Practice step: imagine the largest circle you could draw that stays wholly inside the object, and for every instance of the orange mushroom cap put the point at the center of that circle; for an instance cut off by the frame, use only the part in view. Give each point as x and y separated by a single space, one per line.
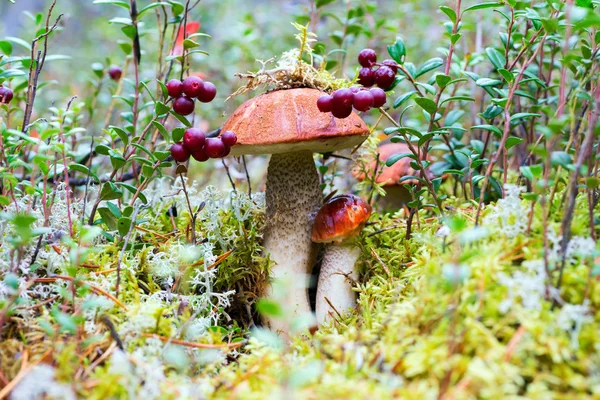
286 121
342 217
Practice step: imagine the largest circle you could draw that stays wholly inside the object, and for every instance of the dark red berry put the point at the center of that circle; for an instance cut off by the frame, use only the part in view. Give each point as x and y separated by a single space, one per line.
379 97
367 57
366 77
341 111
229 138
207 92
355 89
363 100
179 152
227 151
6 95
183 105
200 155
214 147
193 139
384 77
192 86
115 73
390 63
175 88
324 103
343 98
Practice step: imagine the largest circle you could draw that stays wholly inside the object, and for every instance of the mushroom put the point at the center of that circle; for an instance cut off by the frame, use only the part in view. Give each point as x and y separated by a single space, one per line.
338 222
397 194
288 125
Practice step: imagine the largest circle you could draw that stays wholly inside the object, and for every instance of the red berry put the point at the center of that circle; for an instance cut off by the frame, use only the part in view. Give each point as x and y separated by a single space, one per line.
183 105
227 151
390 63
384 77
6 95
343 98
341 111
363 100
179 152
355 89
214 147
200 155
115 73
192 86
175 88
229 138
193 139
367 57
379 97
207 92
366 77
324 103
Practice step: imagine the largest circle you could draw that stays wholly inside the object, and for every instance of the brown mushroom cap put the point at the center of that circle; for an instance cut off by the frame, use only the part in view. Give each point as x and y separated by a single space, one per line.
286 121
342 217
390 176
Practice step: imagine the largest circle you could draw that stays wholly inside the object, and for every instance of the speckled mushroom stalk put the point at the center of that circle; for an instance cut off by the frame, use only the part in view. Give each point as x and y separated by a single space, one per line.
293 198
338 222
288 125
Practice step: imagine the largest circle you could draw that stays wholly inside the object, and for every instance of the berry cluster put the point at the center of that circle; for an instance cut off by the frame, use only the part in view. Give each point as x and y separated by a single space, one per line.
196 144
6 95
185 92
340 102
383 76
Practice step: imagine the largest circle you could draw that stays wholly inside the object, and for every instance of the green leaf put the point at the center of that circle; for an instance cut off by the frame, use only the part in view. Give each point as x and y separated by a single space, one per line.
403 98
84 170
162 130
457 98
150 7
506 74
397 51
429 66
161 109
490 128
181 119
269 308
124 225
512 141
426 104
561 158
442 80
394 158
322 3
518 116
102 149
6 47
119 3
121 133
449 12
178 134
110 192
482 6
498 60
484 82
19 41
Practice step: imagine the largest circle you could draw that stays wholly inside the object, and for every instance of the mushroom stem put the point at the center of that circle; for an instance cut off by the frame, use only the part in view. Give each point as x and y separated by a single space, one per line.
293 198
335 281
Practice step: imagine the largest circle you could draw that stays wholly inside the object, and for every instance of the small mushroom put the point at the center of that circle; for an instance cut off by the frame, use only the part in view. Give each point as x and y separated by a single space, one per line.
288 125
339 221
397 194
